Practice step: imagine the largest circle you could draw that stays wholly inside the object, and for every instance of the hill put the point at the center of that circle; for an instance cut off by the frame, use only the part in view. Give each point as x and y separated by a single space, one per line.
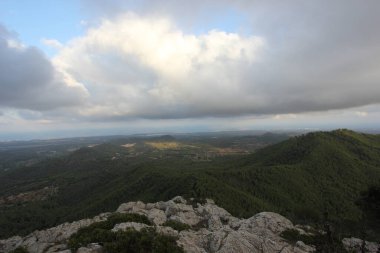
310 178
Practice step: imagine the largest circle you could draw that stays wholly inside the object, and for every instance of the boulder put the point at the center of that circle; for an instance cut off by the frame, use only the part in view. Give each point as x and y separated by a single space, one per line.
91 248
128 225
57 248
167 231
355 245
157 216
179 199
267 222
10 243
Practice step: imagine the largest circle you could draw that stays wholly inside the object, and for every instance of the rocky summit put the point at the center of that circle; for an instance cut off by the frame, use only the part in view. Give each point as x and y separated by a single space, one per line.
209 228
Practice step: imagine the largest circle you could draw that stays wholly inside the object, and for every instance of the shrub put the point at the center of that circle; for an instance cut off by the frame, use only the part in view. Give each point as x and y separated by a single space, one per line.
99 231
146 240
293 236
194 201
127 217
322 242
19 250
176 225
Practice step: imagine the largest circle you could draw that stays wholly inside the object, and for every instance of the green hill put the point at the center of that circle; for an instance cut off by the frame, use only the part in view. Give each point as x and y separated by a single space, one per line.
302 178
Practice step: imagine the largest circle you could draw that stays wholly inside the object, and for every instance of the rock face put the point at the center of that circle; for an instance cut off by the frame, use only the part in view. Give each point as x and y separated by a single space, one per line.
355 245
49 240
213 230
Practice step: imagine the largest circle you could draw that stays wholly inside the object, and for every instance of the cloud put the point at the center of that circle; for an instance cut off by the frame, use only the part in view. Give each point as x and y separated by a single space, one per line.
361 114
285 116
28 80
52 43
146 67
295 58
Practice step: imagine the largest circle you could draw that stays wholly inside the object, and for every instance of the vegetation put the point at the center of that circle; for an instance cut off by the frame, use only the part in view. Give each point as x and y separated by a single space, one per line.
146 240
165 145
369 203
301 178
324 243
19 250
176 225
123 241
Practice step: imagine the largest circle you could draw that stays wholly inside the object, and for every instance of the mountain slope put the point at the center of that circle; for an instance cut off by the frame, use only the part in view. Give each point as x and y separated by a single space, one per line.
308 175
302 178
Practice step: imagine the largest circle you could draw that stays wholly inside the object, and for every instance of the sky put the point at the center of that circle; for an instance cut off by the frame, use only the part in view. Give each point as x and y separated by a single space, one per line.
93 67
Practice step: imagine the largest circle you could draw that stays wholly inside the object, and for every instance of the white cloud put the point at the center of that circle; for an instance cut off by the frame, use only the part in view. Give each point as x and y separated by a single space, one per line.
28 80
286 63
284 116
361 114
146 67
52 43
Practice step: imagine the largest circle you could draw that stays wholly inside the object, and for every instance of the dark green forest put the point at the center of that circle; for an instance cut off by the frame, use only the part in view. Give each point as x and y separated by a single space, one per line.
303 178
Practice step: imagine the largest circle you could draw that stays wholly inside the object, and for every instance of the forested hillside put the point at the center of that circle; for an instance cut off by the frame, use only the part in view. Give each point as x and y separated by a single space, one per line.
305 178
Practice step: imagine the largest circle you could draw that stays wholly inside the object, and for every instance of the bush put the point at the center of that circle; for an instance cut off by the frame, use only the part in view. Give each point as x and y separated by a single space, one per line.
127 217
146 240
194 201
176 225
293 236
323 243
19 250
99 231
130 241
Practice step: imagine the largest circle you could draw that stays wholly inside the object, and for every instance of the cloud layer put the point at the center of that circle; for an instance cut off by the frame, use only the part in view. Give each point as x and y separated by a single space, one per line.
167 60
147 67
28 80
296 58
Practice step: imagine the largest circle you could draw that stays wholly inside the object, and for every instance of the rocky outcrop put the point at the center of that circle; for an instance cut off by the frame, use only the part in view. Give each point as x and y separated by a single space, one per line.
213 230
128 225
356 245
49 240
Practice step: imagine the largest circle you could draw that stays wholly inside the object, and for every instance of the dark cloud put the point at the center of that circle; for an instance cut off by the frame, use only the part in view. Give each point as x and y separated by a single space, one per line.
319 56
28 80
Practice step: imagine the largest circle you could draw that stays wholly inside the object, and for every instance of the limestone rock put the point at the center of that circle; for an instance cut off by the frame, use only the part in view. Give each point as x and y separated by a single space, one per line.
161 205
193 242
213 230
167 231
56 248
179 199
189 218
214 223
355 244
125 207
91 248
128 225
303 247
10 243
157 216
40 241
272 222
